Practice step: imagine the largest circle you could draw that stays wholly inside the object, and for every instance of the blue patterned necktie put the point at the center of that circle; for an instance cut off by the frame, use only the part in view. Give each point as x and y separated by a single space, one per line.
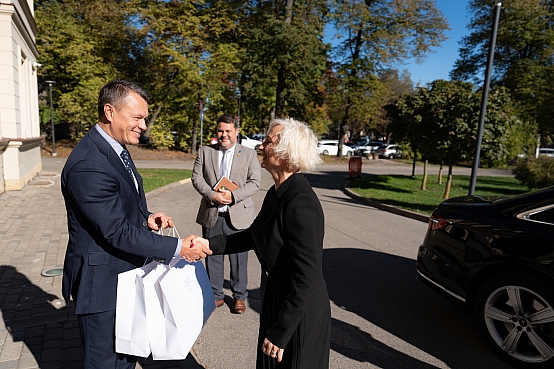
127 161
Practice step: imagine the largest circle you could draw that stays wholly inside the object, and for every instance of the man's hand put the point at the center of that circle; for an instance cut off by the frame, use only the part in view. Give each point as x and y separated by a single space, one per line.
222 197
159 221
194 248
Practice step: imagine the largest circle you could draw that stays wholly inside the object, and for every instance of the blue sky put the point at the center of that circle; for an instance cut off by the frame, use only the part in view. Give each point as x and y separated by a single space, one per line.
437 65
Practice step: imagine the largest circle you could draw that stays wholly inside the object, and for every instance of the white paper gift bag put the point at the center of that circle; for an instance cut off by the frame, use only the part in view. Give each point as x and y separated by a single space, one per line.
131 334
186 301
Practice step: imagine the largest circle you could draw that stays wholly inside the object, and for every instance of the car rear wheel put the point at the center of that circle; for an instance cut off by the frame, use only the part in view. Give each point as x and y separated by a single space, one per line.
515 313
349 153
325 152
391 156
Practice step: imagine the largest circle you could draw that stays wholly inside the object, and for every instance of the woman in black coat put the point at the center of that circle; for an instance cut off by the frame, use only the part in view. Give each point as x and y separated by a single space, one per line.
287 236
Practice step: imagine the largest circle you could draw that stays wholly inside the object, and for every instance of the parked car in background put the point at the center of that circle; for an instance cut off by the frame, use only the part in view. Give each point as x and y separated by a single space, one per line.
494 257
258 136
250 142
365 148
545 151
331 147
389 151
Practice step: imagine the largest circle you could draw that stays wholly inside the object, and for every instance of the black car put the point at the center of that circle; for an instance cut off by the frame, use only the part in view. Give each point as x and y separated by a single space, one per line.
493 256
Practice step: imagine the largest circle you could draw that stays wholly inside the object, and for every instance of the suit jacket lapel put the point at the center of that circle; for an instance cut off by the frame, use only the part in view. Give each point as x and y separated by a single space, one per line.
118 165
214 157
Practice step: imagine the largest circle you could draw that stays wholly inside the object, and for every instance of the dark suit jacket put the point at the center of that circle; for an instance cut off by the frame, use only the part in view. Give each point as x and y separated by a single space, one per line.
287 236
107 224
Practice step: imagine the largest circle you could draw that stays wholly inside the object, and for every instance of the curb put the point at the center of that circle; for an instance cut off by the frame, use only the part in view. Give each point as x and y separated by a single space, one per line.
385 207
167 187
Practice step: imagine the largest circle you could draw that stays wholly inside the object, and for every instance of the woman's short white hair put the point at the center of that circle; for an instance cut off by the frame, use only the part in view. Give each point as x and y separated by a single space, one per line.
297 145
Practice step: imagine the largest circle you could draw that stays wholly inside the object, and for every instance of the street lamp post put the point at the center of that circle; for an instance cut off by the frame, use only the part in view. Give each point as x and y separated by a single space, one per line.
238 96
486 85
50 83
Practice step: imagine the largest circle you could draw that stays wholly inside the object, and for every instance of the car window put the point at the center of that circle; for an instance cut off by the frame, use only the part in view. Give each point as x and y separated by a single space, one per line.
546 216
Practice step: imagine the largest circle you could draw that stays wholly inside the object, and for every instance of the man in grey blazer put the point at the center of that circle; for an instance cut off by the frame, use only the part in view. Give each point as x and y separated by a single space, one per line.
224 211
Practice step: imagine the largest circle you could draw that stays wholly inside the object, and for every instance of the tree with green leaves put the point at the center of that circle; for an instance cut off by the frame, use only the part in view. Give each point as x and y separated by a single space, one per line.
441 122
284 58
523 60
77 52
376 35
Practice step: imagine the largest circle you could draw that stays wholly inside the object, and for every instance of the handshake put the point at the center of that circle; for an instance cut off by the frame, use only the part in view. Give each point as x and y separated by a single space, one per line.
193 248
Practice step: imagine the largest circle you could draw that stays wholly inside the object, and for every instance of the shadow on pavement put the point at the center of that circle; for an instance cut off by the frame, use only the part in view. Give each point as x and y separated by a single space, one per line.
39 331
385 292
44 335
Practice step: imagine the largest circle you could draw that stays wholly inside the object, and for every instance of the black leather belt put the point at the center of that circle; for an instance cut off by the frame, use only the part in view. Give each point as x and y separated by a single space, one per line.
223 213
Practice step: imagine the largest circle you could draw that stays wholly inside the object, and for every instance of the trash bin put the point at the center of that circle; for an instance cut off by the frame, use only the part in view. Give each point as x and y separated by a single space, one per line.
354 166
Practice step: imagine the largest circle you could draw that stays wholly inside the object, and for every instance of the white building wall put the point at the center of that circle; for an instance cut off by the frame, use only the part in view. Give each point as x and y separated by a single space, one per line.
19 116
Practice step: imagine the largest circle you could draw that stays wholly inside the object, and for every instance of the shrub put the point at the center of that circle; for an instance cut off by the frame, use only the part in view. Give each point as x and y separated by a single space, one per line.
535 173
161 138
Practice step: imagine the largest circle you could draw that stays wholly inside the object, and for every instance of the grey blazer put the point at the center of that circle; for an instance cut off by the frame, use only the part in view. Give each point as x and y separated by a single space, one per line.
245 172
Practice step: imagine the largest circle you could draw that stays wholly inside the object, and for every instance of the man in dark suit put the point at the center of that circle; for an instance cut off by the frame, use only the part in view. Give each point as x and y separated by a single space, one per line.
226 212
110 227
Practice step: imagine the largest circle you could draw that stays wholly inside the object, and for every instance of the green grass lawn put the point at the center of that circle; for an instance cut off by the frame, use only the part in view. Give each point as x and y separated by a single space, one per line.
156 178
405 191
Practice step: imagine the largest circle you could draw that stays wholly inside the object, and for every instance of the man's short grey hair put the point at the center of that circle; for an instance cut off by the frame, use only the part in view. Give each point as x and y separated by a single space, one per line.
297 145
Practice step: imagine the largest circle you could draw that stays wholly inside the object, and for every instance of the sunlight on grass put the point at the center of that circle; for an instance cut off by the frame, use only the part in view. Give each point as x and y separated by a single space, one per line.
405 191
156 178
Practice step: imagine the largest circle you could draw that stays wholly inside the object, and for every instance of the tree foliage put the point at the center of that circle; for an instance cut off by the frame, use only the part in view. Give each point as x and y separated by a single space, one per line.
262 57
441 122
378 34
523 60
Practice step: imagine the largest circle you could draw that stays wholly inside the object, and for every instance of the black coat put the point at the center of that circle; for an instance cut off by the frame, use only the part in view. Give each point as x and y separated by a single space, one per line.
287 236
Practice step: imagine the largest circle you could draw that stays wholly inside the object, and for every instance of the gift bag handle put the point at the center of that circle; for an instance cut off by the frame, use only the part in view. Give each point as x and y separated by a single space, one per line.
172 232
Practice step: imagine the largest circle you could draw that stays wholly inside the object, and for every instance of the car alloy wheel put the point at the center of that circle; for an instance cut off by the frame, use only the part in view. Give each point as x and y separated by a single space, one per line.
515 313
325 152
349 153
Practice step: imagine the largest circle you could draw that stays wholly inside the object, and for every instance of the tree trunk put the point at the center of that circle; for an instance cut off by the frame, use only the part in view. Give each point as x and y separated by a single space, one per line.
414 163
448 181
440 173
424 180
282 72
153 119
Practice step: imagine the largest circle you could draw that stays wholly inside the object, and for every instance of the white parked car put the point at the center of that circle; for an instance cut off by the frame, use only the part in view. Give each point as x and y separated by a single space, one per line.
331 147
389 151
545 151
250 142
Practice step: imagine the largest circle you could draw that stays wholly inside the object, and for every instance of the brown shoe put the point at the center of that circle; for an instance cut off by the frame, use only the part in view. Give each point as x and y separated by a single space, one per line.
240 307
219 303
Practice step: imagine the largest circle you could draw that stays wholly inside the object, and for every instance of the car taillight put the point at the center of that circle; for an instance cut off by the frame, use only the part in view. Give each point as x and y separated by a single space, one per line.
436 222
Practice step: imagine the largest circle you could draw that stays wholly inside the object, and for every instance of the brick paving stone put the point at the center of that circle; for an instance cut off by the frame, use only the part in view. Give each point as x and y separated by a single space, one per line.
10 353
9 364
27 362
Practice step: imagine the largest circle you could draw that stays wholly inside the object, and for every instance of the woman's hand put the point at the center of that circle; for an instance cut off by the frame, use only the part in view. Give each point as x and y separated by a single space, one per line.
273 351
